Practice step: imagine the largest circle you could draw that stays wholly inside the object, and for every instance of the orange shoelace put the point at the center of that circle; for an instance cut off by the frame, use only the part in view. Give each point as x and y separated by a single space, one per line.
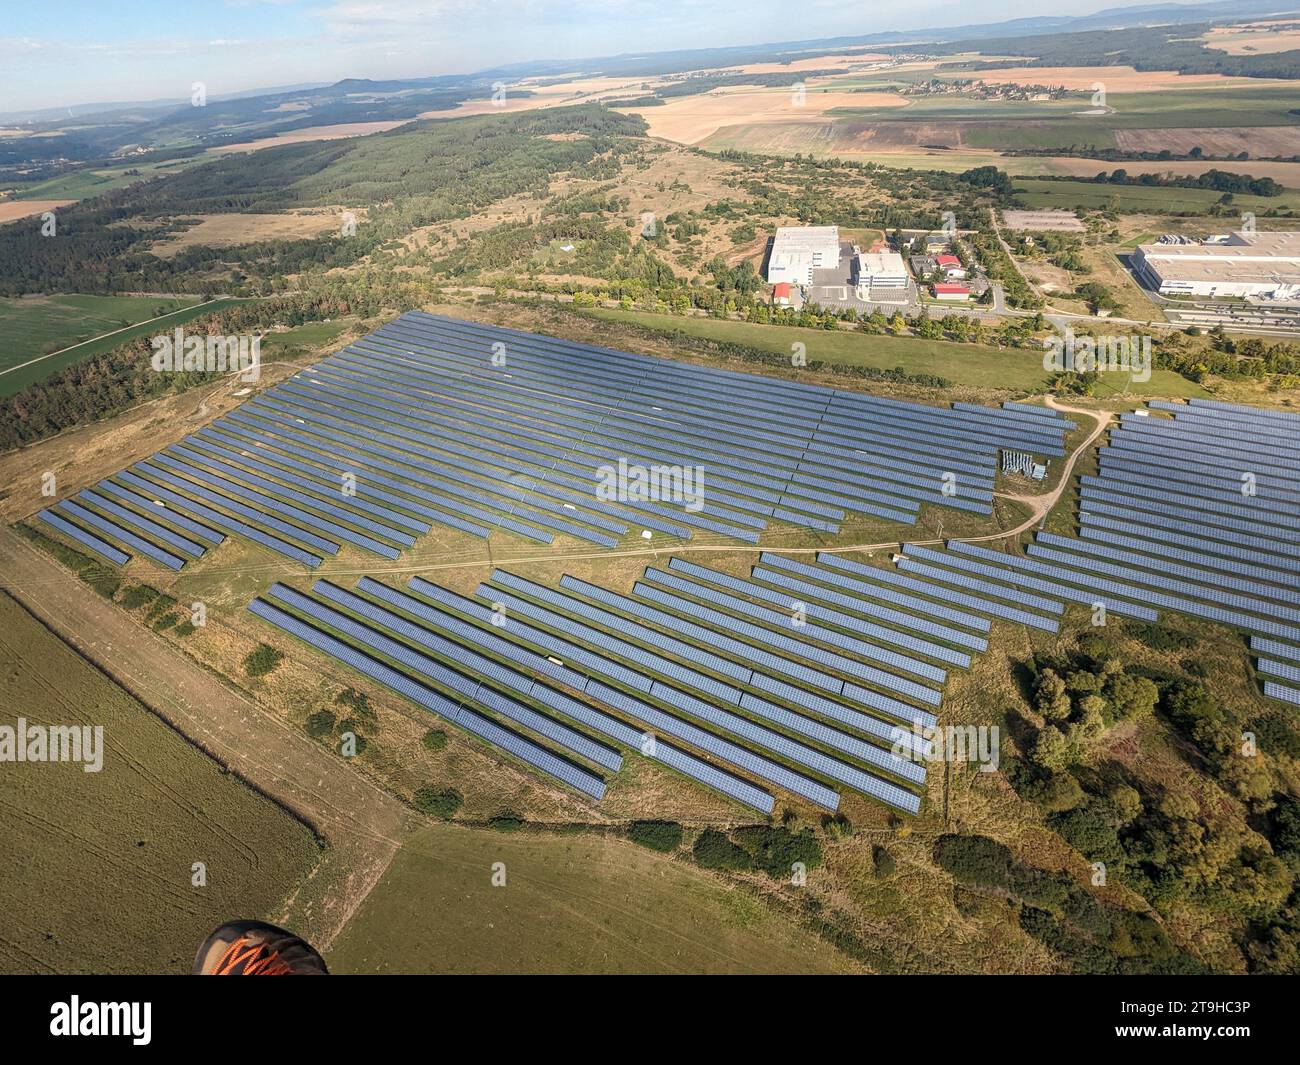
255 958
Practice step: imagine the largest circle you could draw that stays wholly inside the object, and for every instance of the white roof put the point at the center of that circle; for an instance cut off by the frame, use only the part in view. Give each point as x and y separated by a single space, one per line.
796 240
874 264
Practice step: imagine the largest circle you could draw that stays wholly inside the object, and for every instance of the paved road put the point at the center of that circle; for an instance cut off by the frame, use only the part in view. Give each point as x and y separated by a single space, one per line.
362 824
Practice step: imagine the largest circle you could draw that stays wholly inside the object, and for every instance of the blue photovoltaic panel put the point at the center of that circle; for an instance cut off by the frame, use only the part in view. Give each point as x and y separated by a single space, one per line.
1144 579
785 601
788 645
1282 691
215 518
152 505
991 569
802 633
141 524
857 577
1275 648
1117 598
483 727
100 547
1285 670
115 531
759 766
914 552
71 509
479 666
175 480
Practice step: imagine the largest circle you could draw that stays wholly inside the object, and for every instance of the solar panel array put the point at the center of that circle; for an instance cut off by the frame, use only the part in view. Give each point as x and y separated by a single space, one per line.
1196 510
435 421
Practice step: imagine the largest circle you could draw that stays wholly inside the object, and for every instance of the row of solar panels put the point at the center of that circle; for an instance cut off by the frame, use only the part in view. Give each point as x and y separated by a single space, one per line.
621 671
1200 512
783 401
368 449
783 465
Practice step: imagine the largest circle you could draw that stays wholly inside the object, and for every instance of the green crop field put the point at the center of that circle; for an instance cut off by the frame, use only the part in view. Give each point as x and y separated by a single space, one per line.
98 869
570 904
80 326
1138 199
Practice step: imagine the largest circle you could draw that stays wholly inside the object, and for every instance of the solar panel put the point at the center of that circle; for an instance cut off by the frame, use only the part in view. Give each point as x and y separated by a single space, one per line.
71 509
1285 670
786 602
141 524
1275 648
156 506
1283 692
522 748
101 547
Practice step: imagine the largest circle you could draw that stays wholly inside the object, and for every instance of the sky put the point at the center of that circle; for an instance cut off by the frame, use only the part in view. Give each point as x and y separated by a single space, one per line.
57 53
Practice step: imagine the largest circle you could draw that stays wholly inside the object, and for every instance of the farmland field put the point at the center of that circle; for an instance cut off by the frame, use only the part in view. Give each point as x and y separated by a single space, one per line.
1137 199
571 904
97 875
83 184
80 326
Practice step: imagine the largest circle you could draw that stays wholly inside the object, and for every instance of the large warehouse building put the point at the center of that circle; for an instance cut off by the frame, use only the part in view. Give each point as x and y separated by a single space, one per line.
1258 265
799 250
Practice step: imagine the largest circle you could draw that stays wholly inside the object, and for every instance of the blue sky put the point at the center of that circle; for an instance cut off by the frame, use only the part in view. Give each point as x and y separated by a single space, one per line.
62 52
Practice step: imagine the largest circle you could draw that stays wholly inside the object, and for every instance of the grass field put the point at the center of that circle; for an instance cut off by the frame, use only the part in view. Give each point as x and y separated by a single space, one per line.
97 875
971 365
1138 199
570 904
79 327
83 184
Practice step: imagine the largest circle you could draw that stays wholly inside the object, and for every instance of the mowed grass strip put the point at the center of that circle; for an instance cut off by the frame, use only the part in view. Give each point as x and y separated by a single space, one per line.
100 865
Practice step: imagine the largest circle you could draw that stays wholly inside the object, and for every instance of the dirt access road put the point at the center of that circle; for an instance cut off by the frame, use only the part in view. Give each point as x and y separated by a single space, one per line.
362 825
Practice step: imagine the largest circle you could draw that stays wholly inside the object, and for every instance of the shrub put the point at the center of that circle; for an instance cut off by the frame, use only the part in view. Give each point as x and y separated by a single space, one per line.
443 804
506 822
358 703
262 660
435 739
165 622
137 596
882 862
776 849
319 724
714 850
664 836
185 628
974 860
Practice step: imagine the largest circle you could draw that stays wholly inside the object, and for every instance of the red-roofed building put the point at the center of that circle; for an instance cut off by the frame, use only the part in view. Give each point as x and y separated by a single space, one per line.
947 260
781 292
944 291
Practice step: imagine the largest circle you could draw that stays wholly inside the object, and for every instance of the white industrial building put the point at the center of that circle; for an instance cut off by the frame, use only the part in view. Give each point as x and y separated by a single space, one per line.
879 272
799 250
1244 265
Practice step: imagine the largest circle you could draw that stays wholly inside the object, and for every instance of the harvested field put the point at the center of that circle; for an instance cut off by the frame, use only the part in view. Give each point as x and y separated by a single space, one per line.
1259 141
12 210
693 119
104 881
227 230
310 133
1255 38
569 904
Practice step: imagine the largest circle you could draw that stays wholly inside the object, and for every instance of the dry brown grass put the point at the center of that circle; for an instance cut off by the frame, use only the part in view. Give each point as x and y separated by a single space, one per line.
12 210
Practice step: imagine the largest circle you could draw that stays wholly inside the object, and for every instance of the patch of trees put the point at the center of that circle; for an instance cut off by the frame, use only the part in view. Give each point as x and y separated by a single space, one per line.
1216 180
1089 934
1172 845
662 836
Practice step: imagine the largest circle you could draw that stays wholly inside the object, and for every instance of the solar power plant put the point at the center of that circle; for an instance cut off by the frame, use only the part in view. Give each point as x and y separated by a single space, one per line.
446 653
431 421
